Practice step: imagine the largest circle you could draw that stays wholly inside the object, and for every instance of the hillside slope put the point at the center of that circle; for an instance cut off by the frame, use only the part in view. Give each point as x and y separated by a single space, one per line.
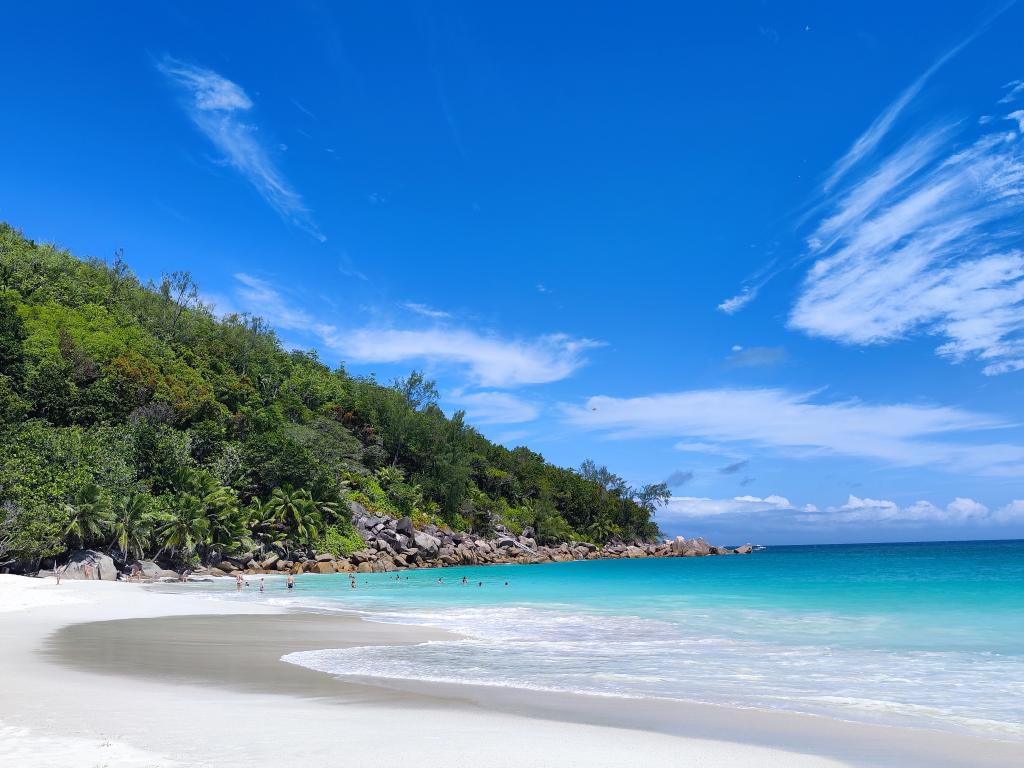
134 420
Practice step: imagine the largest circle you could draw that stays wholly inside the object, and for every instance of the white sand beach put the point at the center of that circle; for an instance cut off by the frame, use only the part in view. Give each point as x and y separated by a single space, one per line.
208 688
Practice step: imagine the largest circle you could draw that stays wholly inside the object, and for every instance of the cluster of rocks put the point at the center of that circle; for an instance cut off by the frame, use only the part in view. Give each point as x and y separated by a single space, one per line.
396 544
392 545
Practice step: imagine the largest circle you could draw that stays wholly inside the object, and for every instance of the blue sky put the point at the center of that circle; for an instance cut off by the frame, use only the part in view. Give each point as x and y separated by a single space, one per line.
770 252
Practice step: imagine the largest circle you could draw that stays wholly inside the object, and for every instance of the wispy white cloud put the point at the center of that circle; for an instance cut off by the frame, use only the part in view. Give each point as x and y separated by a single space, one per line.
425 311
928 241
260 297
702 507
496 408
217 107
1014 89
868 141
800 424
489 360
734 304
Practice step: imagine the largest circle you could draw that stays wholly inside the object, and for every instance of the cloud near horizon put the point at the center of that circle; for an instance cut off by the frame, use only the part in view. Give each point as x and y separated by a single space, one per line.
779 512
800 424
489 360
216 106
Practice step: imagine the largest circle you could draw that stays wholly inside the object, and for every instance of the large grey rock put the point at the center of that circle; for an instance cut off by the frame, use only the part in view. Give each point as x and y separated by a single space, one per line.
746 549
427 545
89 564
700 546
358 510
147 569
270 561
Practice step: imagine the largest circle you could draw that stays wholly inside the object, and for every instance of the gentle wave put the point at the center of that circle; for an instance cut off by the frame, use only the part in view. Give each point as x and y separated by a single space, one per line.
628 656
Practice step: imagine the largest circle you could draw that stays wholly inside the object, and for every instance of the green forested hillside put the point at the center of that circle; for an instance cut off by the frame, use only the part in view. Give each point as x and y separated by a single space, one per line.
134 420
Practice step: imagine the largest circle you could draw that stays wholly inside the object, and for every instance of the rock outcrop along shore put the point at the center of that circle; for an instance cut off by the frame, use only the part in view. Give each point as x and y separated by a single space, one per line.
392 545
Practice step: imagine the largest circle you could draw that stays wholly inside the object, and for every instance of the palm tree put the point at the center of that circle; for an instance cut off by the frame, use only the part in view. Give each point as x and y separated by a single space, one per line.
132 525
223 517
185 529
216 504
298 513
88 515
263 524
602 529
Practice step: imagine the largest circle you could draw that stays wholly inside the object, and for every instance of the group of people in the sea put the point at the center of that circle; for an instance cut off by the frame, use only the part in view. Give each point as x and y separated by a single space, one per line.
241 582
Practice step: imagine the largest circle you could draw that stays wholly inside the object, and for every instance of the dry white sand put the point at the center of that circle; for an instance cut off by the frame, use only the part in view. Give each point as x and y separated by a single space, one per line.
208 689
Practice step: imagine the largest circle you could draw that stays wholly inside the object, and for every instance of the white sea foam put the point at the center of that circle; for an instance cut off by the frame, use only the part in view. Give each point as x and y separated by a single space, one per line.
630 656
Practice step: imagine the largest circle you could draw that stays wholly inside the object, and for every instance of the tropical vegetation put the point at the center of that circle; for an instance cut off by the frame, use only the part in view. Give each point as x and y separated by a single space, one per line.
135 420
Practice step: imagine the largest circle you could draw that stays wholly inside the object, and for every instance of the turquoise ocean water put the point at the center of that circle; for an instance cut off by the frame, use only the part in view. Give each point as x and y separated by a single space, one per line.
927 635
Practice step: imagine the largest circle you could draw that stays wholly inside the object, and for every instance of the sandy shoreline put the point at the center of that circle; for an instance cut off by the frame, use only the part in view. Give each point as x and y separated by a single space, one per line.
143 678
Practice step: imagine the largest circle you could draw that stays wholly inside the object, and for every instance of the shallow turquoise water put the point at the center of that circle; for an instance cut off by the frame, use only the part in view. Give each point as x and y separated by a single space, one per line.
930 635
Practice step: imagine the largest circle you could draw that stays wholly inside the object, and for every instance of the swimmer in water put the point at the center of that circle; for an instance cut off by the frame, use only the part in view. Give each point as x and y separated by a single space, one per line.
261 584
291 581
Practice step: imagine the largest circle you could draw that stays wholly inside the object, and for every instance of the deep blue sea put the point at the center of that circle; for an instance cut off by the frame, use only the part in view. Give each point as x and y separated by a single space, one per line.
928 635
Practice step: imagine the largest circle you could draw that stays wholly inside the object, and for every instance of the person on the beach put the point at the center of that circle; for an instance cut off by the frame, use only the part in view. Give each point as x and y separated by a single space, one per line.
291 581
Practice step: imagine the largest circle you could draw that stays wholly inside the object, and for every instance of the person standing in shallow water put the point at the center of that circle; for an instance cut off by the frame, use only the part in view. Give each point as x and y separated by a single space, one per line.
291 581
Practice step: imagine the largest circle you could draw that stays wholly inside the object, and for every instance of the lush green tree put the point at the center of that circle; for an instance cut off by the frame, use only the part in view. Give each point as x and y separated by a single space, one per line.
12 340
184 529
297 511
88 516
264 527
132 525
